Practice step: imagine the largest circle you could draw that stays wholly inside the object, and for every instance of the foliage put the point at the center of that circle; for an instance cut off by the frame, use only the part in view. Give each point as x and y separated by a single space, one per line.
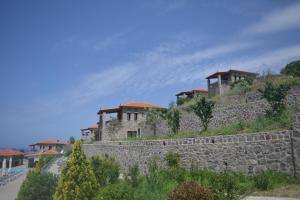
177 174
190 191
77 180
118 191
241 86
203 109
275 95
37 186
224 186
113 127
72 140
173 118
172 159
106 170
153 117
181 100
42 162
133 174
292 69
263 180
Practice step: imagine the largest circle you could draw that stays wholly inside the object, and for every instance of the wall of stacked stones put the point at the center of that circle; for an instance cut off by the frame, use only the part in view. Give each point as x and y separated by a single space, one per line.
233 109
247 153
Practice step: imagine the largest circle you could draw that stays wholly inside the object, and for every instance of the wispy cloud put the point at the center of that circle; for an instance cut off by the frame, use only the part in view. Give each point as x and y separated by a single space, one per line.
281 20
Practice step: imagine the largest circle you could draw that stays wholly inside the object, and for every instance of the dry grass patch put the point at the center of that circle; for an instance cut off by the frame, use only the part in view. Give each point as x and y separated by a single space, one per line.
292 191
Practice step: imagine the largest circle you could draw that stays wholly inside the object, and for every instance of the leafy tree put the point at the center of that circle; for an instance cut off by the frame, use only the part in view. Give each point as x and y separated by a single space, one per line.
275 95
153 117
172 159
292 69
203 109
173 118
77 181
37 186
106 170
72 140
113 127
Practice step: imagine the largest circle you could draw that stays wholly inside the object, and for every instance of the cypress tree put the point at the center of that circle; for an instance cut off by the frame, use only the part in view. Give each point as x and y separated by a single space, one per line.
77 181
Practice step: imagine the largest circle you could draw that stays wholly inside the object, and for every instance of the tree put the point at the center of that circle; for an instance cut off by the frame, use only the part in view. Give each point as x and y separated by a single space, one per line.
203 109
113 127
106 170
153 117
173 118
292 69
72 140
275 95
37 185
77 181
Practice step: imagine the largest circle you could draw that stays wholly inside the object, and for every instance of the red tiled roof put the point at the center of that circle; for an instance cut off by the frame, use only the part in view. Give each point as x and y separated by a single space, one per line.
49 152
93 126
139 105
50 142
10 152
200 90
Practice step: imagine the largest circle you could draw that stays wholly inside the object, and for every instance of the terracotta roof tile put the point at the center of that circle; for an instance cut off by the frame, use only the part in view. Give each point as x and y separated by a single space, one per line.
50 152
53 142
139 105
10 152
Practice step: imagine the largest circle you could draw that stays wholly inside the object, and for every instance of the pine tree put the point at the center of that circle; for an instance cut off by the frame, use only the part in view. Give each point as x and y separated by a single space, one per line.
77 181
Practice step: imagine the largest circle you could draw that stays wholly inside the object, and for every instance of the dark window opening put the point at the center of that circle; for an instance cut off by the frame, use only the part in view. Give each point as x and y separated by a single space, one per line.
128 116
135 116
131 134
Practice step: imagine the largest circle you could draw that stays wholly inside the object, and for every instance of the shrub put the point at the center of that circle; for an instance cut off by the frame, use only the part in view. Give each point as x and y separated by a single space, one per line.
275 95
72 140
203 109
153 118
37 186
262 181
173 118
180 101
224 186
177 174
43 161
106 170
189 191
172 159
134 174
292 69
242 86
77 180
119 191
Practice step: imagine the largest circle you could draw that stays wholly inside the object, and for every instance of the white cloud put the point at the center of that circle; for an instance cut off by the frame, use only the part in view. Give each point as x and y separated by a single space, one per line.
284 19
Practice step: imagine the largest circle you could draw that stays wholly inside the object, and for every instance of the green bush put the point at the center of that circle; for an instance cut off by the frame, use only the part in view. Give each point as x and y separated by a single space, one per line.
37 186
177 174
263 180
224 186
42 162
106 170
292 69
133 174
189 191
241 86
172 159
119 191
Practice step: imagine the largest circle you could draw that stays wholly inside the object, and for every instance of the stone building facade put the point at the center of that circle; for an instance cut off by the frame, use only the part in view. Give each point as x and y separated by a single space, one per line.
128 120
89 134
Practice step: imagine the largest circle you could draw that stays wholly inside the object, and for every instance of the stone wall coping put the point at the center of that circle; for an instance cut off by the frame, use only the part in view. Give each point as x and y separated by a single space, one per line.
249 137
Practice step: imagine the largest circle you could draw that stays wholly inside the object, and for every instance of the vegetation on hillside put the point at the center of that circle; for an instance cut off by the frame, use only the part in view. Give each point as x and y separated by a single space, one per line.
292 69
173 118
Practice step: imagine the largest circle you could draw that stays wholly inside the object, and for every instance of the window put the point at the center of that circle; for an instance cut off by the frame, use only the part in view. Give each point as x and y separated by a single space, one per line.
135 116
139 132
131 134
128 116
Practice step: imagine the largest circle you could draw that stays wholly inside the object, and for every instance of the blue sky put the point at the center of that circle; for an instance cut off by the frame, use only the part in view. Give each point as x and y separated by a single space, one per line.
60 61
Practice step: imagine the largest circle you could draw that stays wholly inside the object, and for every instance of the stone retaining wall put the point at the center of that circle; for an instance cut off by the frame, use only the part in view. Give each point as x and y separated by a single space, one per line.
246 153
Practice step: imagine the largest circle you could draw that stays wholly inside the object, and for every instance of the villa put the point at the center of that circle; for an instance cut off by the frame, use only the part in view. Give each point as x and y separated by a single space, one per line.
45 145
224 80
192 93
125 120
10 158
89 134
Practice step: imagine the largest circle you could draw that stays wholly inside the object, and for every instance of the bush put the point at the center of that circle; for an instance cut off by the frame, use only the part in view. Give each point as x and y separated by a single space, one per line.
263 180
106 170
177 174
172 159
224 186
189 191
134 174
37 186
241 86
119 191
42 162
292 69
173 118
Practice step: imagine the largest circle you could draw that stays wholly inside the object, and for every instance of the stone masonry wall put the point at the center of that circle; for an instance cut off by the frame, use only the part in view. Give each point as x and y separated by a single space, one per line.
232 109
244 153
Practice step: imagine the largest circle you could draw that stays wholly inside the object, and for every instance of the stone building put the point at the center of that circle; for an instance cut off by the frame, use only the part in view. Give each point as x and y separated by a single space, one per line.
224 80
124 121
191 93
89 134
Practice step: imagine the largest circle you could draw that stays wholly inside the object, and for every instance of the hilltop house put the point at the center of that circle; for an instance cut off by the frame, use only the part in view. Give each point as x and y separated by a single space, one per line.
192 93
10 158
224 80
125 121
90 133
